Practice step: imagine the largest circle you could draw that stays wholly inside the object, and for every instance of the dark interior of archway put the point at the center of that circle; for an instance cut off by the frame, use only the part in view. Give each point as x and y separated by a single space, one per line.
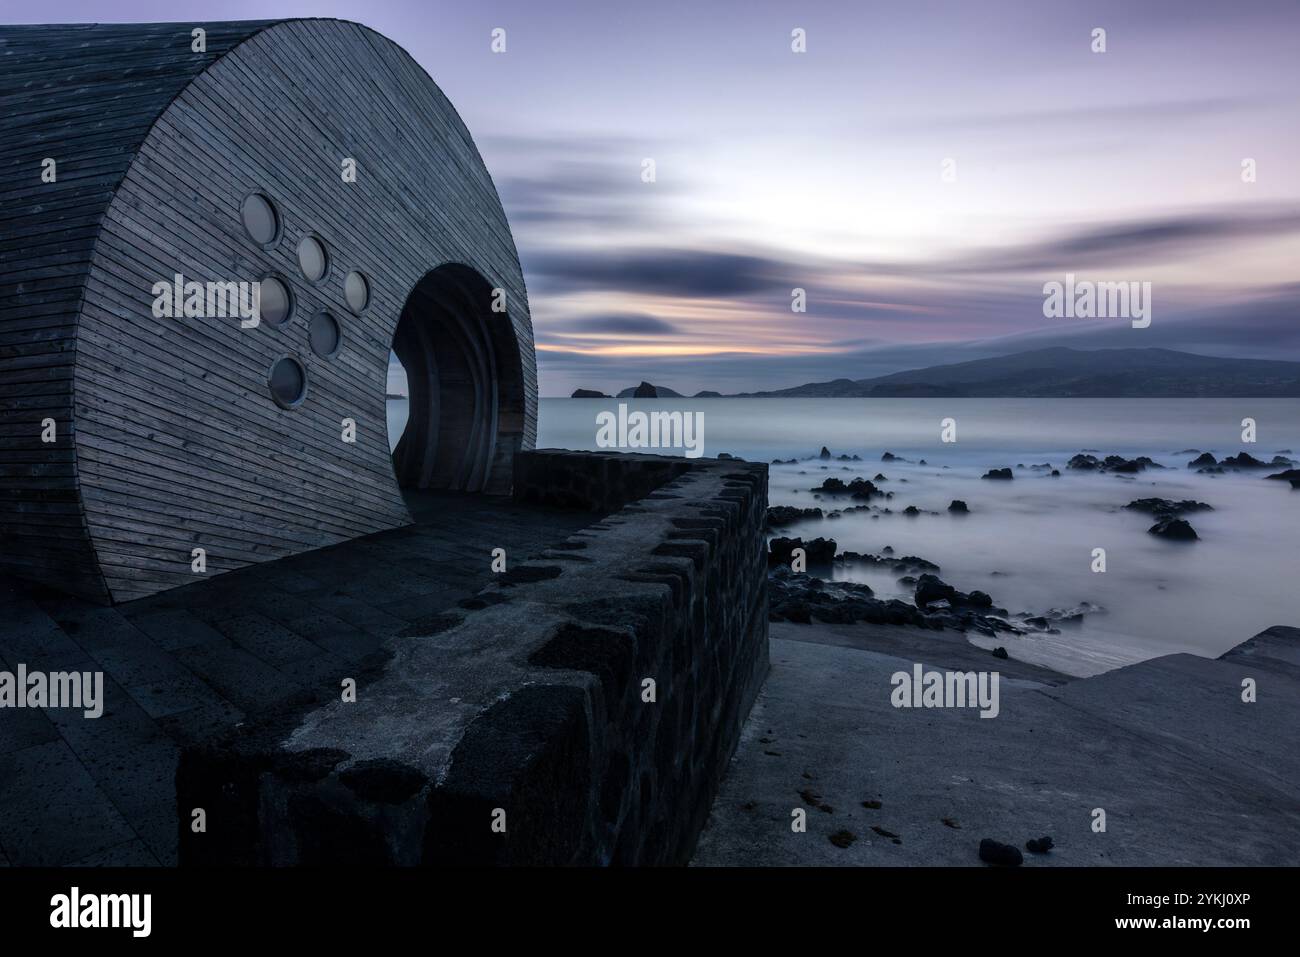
461 368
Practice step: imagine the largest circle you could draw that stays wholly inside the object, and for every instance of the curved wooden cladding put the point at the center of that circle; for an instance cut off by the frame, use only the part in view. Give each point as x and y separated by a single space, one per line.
178 443
84 96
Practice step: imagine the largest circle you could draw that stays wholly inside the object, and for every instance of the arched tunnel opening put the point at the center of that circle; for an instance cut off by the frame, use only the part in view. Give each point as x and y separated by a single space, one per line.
464 386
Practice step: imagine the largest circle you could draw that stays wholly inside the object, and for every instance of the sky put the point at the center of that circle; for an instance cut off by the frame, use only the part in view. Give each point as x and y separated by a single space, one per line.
920 172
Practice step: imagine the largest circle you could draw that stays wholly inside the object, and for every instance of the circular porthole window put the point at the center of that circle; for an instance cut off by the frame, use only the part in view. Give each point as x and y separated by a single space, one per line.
356 291
287 382
325 335
261 221
312 258
275 301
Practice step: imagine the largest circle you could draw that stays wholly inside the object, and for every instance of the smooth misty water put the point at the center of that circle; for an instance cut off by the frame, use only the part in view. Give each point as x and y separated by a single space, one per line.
1028 542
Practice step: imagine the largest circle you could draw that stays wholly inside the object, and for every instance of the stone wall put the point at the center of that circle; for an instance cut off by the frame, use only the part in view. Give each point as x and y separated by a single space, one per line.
592 482
526 705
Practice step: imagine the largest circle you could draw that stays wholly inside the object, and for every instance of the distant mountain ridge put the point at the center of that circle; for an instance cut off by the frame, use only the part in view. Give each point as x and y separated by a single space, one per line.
1074 373
1057 372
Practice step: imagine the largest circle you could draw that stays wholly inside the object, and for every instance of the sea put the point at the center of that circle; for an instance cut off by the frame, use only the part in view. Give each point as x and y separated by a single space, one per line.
1029 542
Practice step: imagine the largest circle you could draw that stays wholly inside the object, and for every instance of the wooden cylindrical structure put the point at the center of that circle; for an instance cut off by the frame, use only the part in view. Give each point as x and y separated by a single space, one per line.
313 157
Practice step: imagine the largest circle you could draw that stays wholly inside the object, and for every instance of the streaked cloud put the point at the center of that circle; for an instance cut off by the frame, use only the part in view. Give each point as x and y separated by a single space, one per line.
821 171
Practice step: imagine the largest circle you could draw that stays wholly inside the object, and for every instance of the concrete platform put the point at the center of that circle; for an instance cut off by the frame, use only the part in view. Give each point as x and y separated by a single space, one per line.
190 663
1186 772
580 710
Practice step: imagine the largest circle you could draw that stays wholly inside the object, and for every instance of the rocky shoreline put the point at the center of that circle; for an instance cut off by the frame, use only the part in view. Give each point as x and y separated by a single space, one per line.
802 598
819 588
1074 771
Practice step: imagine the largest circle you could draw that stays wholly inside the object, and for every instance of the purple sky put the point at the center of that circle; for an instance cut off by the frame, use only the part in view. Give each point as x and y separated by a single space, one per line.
822 170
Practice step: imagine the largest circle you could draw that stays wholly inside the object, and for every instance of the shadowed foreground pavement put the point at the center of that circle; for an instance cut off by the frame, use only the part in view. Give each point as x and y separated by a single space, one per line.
1186 772
186 664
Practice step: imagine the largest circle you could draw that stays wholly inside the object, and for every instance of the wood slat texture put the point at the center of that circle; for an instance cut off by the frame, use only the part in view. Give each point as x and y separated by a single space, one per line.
168 438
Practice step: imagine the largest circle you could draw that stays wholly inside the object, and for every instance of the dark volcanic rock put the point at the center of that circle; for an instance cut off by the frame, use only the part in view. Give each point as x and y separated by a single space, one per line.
1073 615
912 562
1000 652
786 514
1112 463
645 391
1117 463
930 588
911 510
587 394
1290 475
1002 855
958 506
890 457
862 489
886 833
843 838
813 799
859 488
1039 845
819 551
1174 529
825 454
802 598
1243 461
1202 460
1165 506
780 550
999 474
906 563
1247 461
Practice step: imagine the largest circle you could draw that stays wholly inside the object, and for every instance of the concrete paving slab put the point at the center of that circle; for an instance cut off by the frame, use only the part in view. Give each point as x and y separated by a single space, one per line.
1184 775
51 810
184 665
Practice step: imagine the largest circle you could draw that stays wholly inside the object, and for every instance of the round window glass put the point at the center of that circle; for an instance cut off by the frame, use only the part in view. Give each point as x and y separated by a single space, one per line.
312 258
325 335
260 219
356 290
288 382
275 302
